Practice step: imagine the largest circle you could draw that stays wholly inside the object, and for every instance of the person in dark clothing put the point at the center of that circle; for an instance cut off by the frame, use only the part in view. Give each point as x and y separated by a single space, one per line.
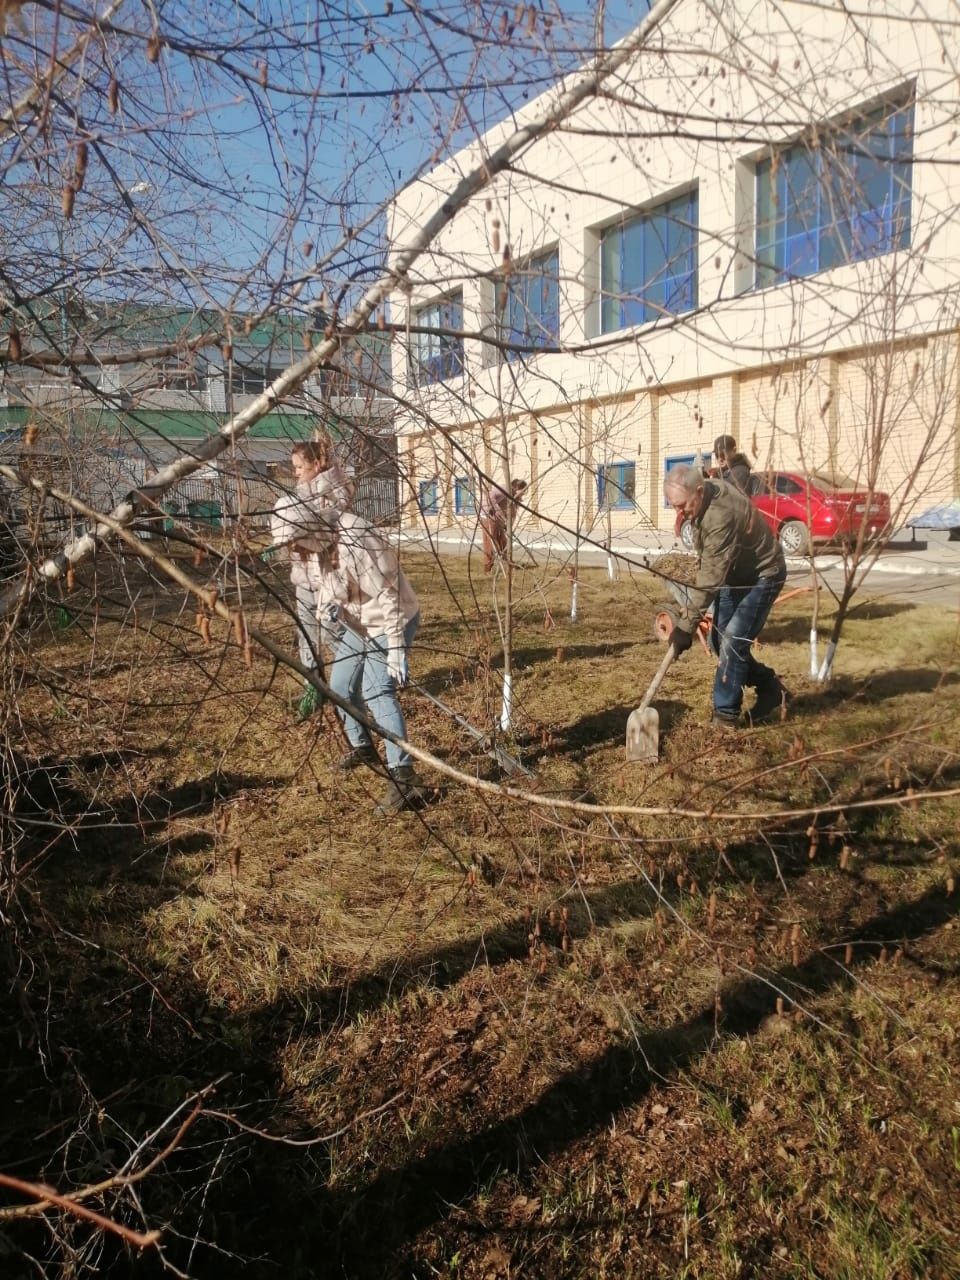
740 571
734 467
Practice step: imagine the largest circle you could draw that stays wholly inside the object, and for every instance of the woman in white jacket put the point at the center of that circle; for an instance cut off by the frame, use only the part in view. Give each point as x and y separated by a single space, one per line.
321 490
362 583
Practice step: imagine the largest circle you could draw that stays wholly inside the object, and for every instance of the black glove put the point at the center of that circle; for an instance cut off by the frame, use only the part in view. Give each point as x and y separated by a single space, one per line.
680 641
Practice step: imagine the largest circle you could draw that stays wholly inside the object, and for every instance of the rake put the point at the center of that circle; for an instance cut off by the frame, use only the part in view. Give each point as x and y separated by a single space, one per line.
508 763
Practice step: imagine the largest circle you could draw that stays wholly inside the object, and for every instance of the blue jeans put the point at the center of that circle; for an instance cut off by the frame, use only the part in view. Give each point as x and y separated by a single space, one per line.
359 673
308 631
738 617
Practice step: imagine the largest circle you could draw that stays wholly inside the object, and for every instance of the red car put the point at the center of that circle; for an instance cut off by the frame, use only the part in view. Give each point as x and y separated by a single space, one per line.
803 510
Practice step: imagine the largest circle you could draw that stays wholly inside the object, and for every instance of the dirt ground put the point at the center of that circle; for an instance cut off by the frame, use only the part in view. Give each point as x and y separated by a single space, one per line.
712 1037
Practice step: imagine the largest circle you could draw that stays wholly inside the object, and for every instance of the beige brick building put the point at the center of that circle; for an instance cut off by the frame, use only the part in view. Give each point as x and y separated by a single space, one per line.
753 232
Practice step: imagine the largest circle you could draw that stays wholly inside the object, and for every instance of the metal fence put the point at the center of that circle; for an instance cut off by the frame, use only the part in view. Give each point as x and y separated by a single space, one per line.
207 502
376 499
222 500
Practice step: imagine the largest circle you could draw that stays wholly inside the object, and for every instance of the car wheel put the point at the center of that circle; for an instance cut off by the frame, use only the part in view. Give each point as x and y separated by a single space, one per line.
794 538
686 535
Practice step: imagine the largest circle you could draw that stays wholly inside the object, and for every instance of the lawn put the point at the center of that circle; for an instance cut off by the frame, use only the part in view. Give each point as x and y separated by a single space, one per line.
695 1019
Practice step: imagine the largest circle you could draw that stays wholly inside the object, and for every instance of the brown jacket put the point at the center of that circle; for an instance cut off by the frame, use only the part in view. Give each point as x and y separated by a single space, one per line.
734 546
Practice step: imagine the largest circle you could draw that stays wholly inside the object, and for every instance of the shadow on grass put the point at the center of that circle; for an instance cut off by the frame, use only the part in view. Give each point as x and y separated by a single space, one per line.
523 656
255 1204
411 1197
607 727
782 628
600 729
443 967
875 688
112 836
626 901
443 680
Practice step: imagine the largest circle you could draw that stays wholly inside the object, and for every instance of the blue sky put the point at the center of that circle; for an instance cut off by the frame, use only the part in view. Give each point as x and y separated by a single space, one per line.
358 142
231 174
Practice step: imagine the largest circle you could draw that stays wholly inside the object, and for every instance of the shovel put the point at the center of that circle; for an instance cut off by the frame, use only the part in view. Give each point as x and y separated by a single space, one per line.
643 724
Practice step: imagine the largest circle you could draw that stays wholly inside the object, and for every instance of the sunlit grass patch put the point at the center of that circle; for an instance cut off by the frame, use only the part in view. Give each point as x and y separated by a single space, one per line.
525 1036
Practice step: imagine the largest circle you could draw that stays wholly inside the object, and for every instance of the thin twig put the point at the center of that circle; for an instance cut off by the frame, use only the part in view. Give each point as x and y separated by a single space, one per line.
47 1197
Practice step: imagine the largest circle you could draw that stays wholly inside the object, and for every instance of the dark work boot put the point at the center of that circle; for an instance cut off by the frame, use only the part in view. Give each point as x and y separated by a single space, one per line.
725 721
365 753
771 703
404 790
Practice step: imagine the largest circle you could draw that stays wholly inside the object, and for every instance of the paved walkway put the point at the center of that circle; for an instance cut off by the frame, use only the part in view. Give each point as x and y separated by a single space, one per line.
931 552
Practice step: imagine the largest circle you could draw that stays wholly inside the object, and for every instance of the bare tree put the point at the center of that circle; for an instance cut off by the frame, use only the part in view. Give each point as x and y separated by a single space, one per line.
208 214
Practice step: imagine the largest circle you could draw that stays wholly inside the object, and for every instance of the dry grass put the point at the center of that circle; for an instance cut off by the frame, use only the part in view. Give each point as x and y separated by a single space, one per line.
549 1043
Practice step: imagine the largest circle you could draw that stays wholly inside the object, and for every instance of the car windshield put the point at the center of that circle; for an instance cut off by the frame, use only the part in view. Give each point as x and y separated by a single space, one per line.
834 482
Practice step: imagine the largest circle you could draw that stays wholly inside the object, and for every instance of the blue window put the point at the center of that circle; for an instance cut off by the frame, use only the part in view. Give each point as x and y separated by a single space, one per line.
648 266
825 201
700 459
437 357
429 497
617 486
530 306
464 500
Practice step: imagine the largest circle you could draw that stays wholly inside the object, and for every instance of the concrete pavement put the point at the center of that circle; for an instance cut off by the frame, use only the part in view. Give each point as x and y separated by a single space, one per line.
933 554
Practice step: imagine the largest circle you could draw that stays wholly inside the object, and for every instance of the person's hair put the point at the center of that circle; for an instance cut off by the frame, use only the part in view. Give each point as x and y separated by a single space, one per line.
318 451
683 476
518 485
724 446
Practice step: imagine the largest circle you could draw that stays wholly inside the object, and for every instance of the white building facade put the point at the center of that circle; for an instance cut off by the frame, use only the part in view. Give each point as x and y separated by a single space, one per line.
753 232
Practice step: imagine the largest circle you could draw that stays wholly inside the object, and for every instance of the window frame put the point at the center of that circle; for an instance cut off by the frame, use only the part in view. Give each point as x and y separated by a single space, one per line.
605 482
447 360
800 184
516 288
433 507
679 459
253 379
625 304
464 497
177 375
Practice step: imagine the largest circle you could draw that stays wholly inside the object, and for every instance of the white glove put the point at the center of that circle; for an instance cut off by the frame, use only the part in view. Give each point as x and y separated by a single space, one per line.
398 666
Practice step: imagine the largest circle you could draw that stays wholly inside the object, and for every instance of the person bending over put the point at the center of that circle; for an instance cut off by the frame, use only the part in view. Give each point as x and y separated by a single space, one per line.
740 571
493 521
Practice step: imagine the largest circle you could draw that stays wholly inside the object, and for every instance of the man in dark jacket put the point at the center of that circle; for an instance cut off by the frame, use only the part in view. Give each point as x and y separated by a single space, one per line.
734 467
740 571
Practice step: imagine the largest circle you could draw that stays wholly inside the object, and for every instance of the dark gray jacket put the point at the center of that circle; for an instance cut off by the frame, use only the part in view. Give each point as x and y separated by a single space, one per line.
737 471
734 547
